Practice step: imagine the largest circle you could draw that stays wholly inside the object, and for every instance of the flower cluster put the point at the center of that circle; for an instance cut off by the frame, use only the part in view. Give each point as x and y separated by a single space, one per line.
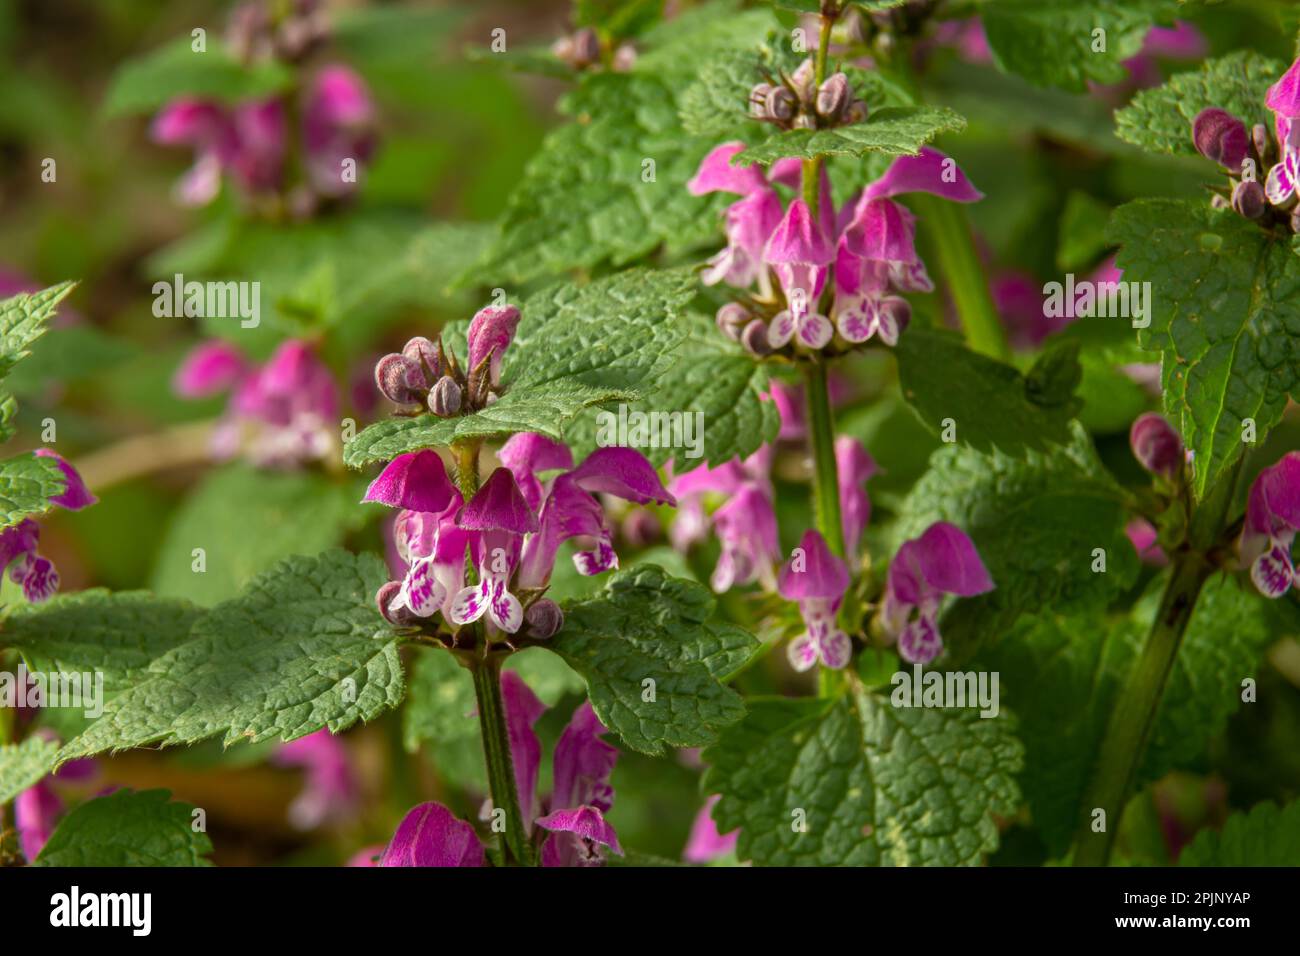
291 31
1272 520
37 575
1223 138
569 824
583 50
864 254
280 414
797 102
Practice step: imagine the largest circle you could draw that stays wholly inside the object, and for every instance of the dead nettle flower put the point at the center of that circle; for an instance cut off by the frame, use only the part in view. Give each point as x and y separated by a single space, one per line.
1156 445
868 250
1272 519
942 561
249 141
817 580
37 575
281 414
797 101
569 824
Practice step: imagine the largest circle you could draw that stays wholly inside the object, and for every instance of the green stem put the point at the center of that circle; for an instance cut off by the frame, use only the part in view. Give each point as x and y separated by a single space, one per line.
1135 711
467 467
950 234
496 754
821 442
812 167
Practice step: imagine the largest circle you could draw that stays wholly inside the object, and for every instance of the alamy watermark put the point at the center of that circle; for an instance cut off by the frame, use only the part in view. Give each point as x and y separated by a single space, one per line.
215 300
75 690
949 689
683 430
1087 298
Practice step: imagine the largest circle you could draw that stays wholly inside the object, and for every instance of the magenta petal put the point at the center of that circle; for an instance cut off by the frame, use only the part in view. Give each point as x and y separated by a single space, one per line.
1182 41
431 835
950 562
705 843
882 230
75 494
624 473
1273 508
787 172
724 479
585 822
798 239
18 540
583 763
498 506
930 172
522 711
415 481
210 368
36 811
717 174
191 122
490 332
813 571
40 580
1284 95
528 453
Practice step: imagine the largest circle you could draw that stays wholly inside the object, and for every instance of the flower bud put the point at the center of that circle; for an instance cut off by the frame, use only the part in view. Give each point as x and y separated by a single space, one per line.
444 398
1156 445
1221 137
424 354
399 379
402 616
754 338
586 47
732 319
832 97
781 104
804 80
543 619
1248 199
758 101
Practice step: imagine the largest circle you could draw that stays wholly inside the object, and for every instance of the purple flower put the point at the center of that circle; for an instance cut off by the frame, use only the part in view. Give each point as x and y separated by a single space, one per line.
36 812
817 580
208 129
280 414
501 517
749 222
800 254
1272 519
1156 445
1284 96
415 481
942 561
338 125
705 843
490 333
18 543
572 831
330 791
853 467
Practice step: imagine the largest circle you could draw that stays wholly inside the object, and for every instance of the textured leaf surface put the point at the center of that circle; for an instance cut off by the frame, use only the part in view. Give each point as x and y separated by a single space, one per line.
1266 836
23 765
1160 119
1225 313
648 625
176 70
1062 675
246 519
577 346
878 785
127 829
23 319
302 648
1051 42
894 131
27 482
992 404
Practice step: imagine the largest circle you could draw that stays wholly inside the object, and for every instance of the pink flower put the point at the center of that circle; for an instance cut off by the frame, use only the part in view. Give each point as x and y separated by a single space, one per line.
330 791
817 580
18 543
338 125
1272 519
705 843
1156 445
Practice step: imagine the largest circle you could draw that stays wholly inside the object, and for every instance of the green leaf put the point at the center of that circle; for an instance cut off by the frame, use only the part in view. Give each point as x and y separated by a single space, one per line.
127 829
292 512
1225 313
1160 119
644 626
577 346
24 318
1035 521
151 81
1266 836
23 765
991 404
1062 675
877 785
1051 42
894 131
116 634
1082 232
27 483
708 378
302 648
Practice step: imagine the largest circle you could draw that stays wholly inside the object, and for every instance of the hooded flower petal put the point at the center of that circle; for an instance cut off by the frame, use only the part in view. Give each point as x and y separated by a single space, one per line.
430 835
930 172
75 494
1272 520
583 763
499 505
813 571
490 333
950 563
624 473
800 253
210 368
576 837
881 231
717 174
522 711
705 843
1284 95
528 453
942 561
415 481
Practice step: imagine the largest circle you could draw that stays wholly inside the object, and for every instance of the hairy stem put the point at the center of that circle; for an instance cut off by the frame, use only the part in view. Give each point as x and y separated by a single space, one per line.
821 445
1135 711
950 233
467 467
496 754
